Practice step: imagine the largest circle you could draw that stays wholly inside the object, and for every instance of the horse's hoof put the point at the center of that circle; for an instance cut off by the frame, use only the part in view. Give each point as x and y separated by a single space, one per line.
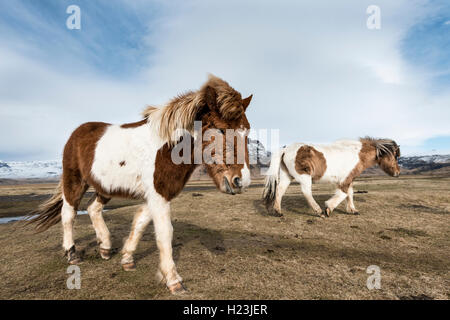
75 260
72 256
130 266
105 253
327 212
277 214
177 288
356 213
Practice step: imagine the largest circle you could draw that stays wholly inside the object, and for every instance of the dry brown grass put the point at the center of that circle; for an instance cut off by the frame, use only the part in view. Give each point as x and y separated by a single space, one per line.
227 247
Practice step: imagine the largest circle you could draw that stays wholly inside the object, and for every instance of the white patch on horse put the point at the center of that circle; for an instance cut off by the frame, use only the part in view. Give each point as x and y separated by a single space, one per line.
245 171
136 149
341 158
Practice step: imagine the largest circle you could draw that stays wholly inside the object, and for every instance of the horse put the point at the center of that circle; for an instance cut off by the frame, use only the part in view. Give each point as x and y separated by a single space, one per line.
338 163
133 160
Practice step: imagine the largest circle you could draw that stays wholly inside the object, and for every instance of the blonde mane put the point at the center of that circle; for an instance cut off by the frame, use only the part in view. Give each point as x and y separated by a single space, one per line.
383 146
180 113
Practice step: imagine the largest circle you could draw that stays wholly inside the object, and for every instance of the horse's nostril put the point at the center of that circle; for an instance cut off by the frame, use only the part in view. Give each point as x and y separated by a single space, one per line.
237 182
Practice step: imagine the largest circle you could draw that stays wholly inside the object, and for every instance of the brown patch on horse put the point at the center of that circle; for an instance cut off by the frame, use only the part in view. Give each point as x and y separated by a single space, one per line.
122 163
310 161
367 159
78 157
134 124
169 178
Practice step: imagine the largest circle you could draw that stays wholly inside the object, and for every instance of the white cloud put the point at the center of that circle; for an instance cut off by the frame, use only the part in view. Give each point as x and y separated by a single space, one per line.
315 70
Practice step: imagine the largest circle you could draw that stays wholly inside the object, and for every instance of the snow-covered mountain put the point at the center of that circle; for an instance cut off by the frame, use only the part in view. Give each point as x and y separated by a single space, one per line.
30 169
53 168
430 162
257 153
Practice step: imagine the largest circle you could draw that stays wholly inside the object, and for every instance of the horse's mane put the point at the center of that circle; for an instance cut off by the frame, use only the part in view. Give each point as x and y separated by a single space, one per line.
383 146
181 111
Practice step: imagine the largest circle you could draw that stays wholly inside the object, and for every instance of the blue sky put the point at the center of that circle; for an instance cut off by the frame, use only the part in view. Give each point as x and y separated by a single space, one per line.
317 73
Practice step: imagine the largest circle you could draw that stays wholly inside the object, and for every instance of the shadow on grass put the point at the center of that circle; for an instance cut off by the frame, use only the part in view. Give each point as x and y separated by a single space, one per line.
296 204
184 233
188 236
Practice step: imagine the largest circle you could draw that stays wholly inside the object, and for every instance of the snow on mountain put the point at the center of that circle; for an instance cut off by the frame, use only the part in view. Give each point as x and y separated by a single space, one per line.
30 169
257 153
53 168
419 161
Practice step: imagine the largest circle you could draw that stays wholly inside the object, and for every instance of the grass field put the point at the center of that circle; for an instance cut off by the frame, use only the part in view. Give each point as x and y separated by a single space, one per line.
228 247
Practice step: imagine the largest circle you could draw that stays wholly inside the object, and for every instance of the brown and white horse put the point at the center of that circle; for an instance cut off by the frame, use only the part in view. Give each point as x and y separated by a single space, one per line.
134 160
338 163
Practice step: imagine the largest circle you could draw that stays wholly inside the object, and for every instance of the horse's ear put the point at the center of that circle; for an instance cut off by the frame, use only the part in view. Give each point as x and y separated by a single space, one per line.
211 97
246 101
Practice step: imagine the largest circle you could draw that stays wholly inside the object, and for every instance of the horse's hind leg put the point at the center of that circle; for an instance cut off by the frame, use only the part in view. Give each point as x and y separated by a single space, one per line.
285 181
334 201
101 230
141 219
73 190
350 204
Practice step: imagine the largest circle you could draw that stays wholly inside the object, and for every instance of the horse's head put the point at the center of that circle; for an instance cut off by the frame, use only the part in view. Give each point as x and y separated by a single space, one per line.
387 156
225 128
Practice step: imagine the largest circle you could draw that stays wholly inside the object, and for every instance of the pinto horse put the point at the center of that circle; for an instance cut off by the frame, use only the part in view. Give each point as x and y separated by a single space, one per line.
338 163
134 160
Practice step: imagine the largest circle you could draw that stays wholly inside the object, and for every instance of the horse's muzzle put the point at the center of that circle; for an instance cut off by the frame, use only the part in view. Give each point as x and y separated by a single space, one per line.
236 182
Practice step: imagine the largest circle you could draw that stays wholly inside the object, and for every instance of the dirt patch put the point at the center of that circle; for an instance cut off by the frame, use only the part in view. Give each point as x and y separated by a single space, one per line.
409 232
416 297
422 208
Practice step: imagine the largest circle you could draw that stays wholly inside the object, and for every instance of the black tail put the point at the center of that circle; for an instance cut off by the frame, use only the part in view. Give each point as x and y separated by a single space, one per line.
48 213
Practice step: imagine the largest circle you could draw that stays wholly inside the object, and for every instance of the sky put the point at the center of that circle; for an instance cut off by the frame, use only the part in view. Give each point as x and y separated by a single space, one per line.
317 72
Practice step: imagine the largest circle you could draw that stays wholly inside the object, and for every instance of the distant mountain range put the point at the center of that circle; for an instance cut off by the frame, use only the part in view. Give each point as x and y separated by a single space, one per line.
30 169
52 169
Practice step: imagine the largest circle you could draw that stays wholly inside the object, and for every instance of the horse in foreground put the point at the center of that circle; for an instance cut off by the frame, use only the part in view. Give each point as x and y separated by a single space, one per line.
134 160
338 163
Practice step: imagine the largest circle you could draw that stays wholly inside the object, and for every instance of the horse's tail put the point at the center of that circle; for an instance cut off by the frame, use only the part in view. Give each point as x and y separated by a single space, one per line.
49 212
272 179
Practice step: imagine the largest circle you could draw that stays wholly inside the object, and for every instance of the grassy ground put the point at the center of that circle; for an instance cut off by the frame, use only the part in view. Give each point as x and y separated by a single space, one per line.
227 247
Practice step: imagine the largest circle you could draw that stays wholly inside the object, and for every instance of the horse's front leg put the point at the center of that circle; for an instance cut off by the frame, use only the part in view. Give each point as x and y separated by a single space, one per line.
164 232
